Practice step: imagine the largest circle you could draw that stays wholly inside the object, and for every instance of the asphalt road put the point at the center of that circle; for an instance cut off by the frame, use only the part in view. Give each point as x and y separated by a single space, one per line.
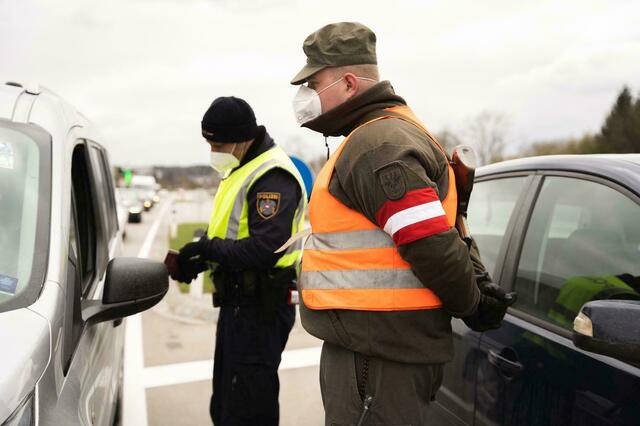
169 349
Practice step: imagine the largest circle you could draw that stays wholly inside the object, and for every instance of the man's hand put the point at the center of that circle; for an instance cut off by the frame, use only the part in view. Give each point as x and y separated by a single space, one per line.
190 261
491 308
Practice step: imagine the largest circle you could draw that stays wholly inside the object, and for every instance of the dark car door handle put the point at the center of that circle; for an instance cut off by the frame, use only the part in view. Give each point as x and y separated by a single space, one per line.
506 366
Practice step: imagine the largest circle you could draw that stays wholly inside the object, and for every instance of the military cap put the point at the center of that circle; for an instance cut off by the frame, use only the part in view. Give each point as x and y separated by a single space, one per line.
336 45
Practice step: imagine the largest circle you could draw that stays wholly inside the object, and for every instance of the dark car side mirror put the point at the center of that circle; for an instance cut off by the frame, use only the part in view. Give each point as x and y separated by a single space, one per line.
131 285
609 327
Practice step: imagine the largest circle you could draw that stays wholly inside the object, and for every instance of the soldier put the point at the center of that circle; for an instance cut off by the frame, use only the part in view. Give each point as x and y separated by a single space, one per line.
384 269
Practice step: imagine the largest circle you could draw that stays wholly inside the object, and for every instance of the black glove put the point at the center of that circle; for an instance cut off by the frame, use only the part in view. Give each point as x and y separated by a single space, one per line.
190 261
492 307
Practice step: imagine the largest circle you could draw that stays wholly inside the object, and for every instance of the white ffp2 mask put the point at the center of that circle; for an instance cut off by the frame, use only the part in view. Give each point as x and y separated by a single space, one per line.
306 102
306 105
223 162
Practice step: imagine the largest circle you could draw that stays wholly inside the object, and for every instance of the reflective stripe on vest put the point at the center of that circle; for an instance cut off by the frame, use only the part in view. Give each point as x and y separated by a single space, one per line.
230 213
349 262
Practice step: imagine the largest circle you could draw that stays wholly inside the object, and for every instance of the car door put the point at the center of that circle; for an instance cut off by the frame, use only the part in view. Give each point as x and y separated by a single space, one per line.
491 211
579 241
106 356
89 355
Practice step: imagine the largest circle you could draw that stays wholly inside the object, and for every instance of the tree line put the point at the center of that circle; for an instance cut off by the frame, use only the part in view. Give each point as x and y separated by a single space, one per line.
620 133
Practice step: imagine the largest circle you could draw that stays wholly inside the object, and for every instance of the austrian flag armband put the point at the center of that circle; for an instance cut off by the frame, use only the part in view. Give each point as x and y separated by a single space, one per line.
417 215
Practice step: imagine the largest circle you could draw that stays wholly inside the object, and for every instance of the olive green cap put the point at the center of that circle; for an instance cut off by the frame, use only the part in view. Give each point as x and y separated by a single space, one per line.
336 45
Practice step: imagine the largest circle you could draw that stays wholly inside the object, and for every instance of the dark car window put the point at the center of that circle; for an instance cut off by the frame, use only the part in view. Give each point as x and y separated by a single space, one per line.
73 323
490 209
85 214
582 244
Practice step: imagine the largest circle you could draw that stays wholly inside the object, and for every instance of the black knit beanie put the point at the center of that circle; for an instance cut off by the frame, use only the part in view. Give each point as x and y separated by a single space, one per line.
229 119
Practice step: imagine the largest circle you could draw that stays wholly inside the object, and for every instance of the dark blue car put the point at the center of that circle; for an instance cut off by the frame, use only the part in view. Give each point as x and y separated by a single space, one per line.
560 231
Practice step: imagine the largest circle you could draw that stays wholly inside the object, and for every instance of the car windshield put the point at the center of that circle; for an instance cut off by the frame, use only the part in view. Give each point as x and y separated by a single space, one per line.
19 189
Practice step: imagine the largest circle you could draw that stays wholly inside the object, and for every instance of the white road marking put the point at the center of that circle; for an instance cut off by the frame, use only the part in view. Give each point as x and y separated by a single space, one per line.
134 408
134 403
196 371
196 288
175 374
298 358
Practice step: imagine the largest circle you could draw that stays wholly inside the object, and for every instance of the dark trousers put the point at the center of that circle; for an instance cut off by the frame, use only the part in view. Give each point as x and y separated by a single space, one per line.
400 394
245 367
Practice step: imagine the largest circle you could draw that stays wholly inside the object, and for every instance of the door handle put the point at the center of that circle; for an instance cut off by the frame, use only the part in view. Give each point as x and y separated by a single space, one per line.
506 366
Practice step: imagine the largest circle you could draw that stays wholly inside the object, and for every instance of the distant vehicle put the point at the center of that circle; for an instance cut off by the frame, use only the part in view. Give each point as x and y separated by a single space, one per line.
561 231
63 291
145 197
148 188
152 195
143 181
131 202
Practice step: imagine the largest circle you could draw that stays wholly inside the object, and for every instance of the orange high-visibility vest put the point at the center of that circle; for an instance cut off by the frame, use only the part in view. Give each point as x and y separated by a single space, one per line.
349 262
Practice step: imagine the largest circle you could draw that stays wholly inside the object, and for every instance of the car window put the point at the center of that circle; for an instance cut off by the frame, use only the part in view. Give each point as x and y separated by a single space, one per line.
110 188
73 323
490 209
85 214
104 186
582 244
19 187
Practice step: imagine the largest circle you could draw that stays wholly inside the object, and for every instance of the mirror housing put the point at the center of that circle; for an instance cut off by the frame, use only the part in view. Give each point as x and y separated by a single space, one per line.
131 285
609 327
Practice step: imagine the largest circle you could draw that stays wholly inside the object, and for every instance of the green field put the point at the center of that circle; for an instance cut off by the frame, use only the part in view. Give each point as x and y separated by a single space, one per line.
184 235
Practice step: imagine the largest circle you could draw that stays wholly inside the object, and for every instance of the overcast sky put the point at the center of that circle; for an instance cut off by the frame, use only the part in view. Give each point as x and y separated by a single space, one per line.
144 71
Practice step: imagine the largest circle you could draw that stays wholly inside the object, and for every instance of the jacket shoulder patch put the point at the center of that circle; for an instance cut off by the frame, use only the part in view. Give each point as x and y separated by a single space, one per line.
267 204
393 181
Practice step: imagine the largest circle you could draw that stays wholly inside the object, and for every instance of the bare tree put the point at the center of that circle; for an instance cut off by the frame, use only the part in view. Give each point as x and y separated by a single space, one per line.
486 133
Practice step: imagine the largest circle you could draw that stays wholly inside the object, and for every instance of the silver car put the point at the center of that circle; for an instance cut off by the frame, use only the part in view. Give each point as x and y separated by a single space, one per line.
63 291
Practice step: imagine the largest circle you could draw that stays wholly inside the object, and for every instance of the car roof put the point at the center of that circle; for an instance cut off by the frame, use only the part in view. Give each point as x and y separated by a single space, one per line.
622 168
40 105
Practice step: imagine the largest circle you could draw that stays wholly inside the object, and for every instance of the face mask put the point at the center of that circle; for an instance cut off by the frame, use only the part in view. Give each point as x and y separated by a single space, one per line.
307 105
223 162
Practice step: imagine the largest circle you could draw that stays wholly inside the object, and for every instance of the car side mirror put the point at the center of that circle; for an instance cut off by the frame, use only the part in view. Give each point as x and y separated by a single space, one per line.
131 285
609 327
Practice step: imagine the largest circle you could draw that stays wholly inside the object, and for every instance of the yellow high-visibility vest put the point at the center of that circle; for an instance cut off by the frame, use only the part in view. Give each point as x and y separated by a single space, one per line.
230 213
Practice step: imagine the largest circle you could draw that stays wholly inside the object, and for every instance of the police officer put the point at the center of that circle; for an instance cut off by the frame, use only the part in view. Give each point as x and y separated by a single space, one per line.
384 270
259 204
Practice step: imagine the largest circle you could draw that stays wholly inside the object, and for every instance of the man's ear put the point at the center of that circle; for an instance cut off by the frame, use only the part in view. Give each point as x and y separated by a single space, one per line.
353 84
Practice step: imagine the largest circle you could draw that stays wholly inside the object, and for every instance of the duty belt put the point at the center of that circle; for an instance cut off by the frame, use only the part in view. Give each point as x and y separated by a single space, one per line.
252 288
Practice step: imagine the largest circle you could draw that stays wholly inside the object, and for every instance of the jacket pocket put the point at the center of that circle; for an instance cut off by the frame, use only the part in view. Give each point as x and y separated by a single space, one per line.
341 332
